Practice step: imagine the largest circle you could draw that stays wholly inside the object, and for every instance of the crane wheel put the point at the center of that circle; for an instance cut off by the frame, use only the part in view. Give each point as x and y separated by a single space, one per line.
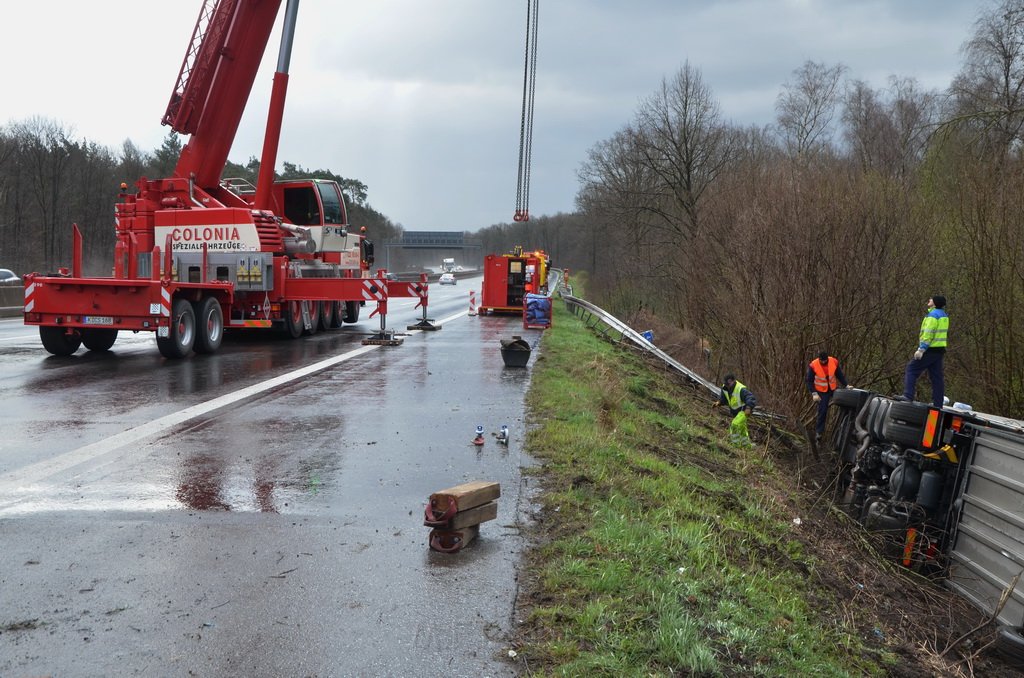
293 326
209 325
58 341
316 312
337 311
99 338
351 312
327 316
182 335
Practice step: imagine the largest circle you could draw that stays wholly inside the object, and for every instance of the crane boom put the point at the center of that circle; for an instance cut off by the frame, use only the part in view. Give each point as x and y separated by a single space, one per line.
214 83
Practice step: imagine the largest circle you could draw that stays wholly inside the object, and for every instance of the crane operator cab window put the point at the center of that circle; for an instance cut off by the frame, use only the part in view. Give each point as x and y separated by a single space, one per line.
334 206
301 206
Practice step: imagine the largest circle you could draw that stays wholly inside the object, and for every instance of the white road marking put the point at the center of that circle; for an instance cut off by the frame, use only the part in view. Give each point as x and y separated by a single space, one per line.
34 473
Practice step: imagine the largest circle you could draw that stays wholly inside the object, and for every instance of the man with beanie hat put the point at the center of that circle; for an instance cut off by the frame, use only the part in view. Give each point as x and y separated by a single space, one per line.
741 403
823 377
931 350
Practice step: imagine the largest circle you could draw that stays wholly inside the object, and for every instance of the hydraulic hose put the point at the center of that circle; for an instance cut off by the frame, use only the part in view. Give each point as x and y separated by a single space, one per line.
861 431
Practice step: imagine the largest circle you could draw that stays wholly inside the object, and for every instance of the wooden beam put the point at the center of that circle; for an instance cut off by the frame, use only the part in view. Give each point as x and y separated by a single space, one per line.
445 504
467 518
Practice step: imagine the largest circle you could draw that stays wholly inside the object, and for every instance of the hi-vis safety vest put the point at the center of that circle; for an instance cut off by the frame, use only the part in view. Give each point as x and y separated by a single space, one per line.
825 375
734 398
934 329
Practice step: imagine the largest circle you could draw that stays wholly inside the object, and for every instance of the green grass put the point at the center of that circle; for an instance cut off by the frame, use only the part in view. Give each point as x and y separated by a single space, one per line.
664 554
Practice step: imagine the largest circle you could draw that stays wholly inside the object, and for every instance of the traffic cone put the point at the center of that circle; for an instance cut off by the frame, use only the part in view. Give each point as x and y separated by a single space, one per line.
472 302
479 440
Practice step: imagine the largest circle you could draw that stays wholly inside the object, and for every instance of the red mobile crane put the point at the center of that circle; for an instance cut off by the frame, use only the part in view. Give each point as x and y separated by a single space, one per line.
196 254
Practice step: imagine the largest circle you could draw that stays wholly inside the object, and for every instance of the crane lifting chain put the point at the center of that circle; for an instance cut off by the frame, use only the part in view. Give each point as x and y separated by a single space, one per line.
522 212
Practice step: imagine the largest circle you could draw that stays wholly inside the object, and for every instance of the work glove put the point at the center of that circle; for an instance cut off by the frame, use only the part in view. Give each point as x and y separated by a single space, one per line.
715 404
815 397
918 354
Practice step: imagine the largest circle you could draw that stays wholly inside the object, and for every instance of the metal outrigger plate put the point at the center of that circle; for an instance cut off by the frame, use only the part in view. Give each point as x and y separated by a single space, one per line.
383 338
426 325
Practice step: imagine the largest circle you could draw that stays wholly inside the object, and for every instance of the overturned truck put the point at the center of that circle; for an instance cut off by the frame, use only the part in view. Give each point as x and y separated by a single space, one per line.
945 484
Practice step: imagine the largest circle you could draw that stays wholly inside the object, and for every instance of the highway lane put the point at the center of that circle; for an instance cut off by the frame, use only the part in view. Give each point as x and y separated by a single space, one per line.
281 534
55 403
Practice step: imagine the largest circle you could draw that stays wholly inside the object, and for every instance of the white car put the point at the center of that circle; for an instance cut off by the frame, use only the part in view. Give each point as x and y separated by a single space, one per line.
8 277
446 279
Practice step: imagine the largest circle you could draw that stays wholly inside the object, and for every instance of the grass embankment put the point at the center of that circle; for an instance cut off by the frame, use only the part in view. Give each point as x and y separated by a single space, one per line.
662 550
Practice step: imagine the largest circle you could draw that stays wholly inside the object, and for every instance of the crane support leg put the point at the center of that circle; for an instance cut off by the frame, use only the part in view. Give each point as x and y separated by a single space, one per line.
426 324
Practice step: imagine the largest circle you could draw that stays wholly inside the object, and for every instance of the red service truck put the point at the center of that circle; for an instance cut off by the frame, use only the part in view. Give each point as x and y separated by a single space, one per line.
508 278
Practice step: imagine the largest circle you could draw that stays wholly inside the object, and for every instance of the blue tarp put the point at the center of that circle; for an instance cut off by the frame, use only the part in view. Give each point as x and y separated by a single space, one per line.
538 309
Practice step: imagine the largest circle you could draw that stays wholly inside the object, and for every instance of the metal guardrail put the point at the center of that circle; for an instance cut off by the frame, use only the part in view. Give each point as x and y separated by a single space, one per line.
12 300
592 315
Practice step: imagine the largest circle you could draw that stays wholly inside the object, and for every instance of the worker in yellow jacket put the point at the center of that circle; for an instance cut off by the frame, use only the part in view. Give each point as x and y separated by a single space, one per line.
741 403
930 353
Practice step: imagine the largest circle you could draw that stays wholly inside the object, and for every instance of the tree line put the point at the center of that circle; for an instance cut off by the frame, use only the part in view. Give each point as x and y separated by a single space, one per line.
50 180
832 227
827 229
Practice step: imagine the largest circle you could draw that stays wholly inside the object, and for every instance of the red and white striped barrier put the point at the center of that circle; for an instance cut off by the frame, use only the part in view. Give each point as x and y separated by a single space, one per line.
165 302
30 301
472 302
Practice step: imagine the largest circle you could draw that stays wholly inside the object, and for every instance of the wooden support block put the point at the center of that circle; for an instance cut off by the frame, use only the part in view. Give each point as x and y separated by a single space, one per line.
450 541
469 517
445 504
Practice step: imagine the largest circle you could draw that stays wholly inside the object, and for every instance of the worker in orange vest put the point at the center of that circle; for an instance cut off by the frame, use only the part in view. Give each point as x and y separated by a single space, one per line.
823 377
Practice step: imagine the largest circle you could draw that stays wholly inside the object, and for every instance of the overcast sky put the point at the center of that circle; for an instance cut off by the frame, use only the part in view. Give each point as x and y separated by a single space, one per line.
421 99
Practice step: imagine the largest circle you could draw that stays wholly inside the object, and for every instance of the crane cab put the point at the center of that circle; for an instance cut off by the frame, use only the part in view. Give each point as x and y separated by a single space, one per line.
318 204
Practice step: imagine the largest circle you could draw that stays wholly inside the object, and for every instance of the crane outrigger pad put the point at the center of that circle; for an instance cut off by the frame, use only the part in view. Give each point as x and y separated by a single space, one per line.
383 338
426 325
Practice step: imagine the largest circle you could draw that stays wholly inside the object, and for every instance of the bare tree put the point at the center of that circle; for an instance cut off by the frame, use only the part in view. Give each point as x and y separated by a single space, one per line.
807 106
887 131
990 88
683 144
134 162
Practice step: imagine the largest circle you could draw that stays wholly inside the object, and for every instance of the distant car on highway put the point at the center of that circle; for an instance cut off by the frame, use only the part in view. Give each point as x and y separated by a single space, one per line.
446 279
9 277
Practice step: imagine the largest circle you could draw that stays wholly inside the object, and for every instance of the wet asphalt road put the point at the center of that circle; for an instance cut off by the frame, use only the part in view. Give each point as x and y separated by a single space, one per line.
228 515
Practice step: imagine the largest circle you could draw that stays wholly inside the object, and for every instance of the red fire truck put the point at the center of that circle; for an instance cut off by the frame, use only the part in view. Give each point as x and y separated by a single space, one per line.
196 254
508 278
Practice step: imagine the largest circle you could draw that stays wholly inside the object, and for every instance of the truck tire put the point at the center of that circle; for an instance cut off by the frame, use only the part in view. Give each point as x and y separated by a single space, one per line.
337 311
293 326
99 339
853 398
327 317
876 417
1009 644
209 325
316 312
182 335
57 341
351 312
904 423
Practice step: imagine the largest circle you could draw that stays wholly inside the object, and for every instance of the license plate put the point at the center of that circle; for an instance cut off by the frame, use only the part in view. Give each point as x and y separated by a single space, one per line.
98 320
